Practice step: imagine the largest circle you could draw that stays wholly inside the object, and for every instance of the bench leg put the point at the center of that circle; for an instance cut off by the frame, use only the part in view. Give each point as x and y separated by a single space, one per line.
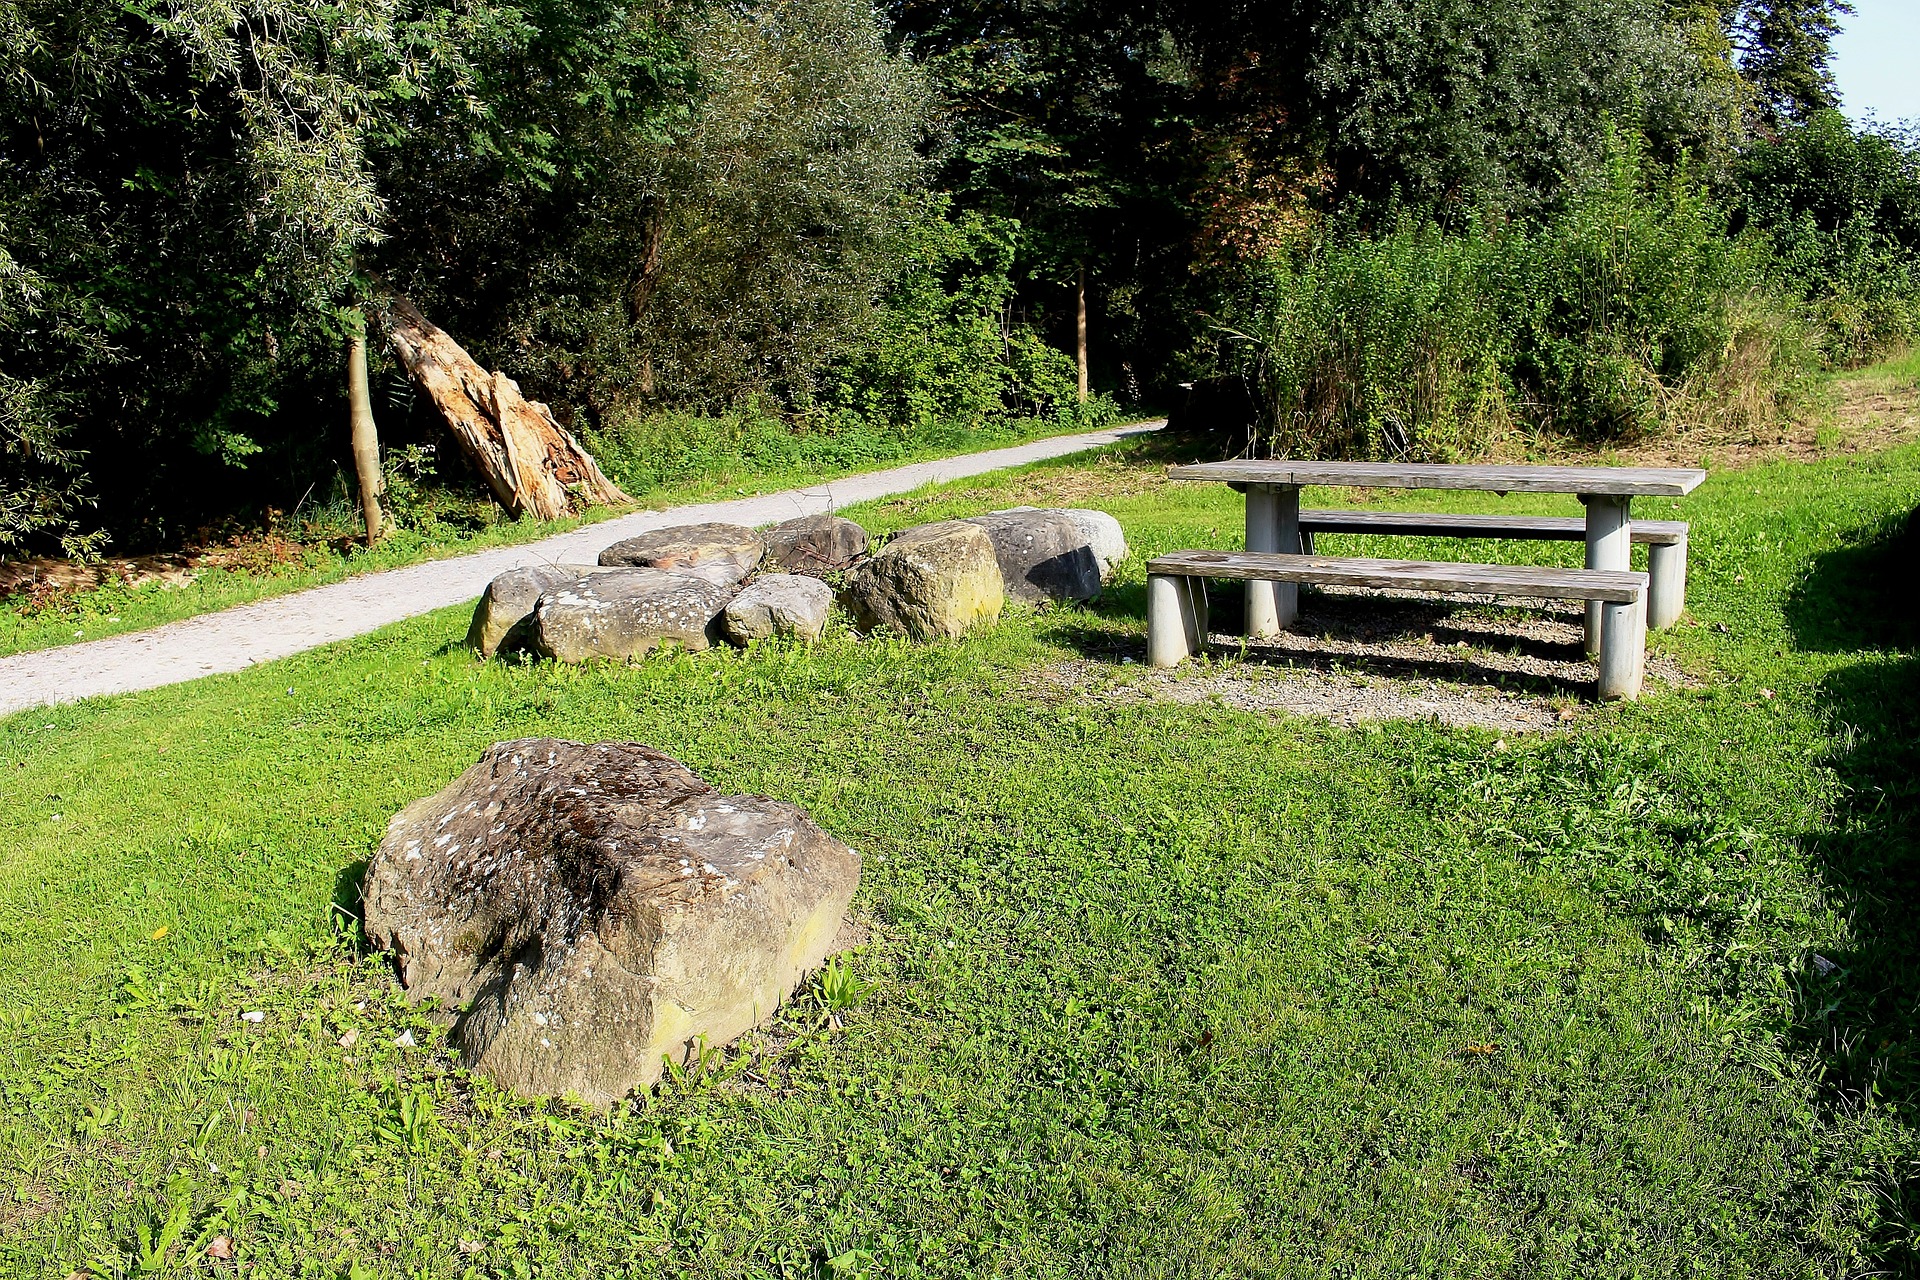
1176 619
1623 648
1273 524
1609 546
1667 567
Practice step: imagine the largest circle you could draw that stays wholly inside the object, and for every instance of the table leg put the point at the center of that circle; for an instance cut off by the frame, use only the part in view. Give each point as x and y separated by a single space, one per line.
1609 546
1273 524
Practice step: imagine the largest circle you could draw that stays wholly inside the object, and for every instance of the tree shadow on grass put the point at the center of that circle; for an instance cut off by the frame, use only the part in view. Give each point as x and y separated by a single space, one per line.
1859 1009
1864 594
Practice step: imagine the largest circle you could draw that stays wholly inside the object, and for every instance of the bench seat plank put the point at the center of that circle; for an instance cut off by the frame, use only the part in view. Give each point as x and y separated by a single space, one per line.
1413 575
1445 524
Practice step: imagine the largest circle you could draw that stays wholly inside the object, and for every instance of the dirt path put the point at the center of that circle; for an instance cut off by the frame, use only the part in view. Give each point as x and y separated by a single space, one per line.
236 638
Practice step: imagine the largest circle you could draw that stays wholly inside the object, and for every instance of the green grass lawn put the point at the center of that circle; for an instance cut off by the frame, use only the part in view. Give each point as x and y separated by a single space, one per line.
1158 989
704 472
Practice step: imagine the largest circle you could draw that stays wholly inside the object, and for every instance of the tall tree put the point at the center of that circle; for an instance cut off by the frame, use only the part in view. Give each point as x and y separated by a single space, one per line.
1786 54
1072 118
192 182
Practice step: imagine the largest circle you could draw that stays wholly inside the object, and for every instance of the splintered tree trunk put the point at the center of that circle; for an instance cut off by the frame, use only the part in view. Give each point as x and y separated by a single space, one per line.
366 441
533 464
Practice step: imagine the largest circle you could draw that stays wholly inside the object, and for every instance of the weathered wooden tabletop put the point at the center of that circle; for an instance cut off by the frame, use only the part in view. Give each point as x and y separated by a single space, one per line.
1656 482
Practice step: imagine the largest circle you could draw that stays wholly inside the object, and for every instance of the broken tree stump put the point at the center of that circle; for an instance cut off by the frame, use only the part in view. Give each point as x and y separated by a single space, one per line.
533 465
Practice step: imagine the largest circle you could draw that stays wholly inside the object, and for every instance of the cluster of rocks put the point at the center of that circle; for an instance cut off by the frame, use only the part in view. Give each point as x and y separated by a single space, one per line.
694 585
585 912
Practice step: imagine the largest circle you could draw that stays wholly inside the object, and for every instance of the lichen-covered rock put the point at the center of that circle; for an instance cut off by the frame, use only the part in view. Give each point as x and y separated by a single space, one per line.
624 613
933 581
594 908
504 613
778 604
721 553
1043 555
815 545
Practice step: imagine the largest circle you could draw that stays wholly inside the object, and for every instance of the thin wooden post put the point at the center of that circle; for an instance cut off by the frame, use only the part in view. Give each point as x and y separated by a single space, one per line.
1080 327
366 439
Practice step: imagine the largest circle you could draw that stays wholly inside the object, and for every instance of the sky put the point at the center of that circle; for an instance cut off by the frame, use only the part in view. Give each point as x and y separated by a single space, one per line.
1877 61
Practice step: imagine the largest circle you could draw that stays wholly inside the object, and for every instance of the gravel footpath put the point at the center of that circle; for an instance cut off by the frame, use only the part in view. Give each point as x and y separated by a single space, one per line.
236 638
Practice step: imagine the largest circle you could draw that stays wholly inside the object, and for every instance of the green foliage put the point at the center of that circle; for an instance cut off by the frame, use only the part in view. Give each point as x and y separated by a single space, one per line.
1841 208
189 187
1786 53
944 347
1631 305
1627 311
41 486
784 205
1459 107
1379 347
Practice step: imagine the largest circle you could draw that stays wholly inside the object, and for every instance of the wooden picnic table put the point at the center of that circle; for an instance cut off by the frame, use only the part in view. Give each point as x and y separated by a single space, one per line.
1272 486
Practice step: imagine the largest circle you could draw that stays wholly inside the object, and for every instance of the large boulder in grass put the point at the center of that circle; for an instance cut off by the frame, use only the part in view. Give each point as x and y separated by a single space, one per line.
625 613
584 911
933 581
815 545
721 553
1103 534
1043 555
502 618
778 604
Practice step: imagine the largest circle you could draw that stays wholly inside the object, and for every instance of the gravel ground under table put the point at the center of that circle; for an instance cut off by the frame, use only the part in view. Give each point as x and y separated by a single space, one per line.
1355 656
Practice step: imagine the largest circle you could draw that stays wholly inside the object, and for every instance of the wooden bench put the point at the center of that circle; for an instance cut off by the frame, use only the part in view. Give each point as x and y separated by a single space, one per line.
1665 540
1177 601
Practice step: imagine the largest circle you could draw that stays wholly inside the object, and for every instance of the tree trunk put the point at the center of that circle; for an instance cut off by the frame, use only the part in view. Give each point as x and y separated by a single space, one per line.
532 464
366 440
1081 332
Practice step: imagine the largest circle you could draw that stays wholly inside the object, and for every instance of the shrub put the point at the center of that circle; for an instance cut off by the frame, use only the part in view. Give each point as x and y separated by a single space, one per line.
1842 211
1379 347
943 347
1630 309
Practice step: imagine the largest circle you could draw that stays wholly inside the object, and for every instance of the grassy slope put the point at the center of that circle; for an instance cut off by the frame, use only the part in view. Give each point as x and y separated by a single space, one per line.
712 476
1160 989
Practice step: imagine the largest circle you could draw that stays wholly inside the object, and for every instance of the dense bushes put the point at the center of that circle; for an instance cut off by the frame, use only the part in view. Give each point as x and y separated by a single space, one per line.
881 224
1841 209
1647 301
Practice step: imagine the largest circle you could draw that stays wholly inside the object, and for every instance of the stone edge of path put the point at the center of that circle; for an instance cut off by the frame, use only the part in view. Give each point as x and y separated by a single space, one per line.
236 638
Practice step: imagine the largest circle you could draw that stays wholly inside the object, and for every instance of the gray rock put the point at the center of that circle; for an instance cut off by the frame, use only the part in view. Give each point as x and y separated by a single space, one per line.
721 553
623 613
933 581
1102 532
815 545
505 612
1043 555
778 604
594 908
